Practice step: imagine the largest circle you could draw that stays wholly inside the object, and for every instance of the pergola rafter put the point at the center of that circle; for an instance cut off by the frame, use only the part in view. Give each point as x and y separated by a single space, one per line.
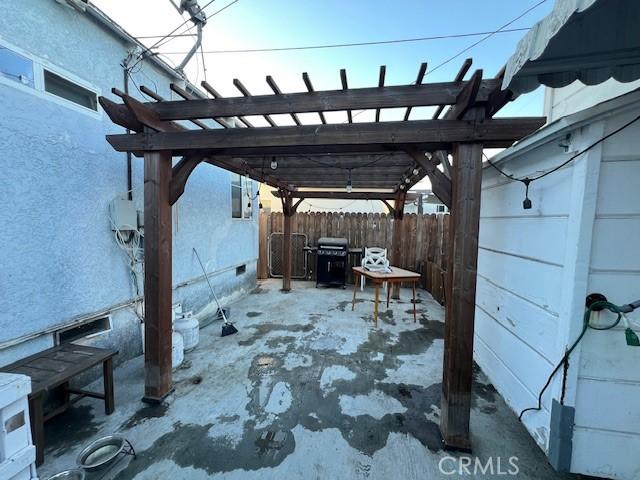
381 160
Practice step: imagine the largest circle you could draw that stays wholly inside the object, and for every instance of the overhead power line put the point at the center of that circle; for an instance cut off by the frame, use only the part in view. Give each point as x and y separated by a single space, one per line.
356 44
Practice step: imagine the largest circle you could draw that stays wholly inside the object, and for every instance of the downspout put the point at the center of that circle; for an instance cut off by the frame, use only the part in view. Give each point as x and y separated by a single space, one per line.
129 169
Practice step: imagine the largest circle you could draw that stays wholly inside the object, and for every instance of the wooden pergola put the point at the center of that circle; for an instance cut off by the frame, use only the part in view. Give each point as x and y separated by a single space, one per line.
380 160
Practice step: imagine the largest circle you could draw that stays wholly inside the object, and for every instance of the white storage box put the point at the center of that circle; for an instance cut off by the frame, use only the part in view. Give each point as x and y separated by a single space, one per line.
17 453
15 429
21 466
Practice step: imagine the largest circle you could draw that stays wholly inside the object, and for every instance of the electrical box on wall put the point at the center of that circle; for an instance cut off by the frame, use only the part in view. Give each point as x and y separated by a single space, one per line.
123 214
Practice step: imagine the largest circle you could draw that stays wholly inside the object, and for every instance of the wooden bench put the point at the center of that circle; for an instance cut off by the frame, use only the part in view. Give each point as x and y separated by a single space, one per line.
52 369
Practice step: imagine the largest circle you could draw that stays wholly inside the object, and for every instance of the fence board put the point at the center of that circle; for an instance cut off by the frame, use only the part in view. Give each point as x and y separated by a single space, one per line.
425 240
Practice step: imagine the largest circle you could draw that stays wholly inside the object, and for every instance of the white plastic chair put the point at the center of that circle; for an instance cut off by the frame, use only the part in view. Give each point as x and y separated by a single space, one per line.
375 260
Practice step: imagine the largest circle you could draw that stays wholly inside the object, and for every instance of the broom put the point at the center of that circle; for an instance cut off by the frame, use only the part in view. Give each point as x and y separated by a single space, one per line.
227 328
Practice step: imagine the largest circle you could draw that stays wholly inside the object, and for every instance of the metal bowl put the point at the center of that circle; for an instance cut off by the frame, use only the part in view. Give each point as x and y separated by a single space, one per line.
101 453
68 475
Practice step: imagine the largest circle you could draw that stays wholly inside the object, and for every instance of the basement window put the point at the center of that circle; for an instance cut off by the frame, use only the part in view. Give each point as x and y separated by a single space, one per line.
241 269
84 330
63 88
16 67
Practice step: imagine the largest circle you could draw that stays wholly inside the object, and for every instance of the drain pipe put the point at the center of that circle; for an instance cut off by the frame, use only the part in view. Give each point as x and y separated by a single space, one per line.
129 158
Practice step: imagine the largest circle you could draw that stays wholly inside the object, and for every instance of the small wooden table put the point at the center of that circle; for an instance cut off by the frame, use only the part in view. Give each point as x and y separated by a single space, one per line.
397 275
54 368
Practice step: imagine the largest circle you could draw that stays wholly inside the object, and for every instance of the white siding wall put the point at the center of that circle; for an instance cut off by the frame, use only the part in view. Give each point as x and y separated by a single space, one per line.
535 268
560 102
607 428
520 280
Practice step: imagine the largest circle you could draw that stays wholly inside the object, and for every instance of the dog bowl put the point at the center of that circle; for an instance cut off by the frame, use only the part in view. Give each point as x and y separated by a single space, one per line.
68 475
103 452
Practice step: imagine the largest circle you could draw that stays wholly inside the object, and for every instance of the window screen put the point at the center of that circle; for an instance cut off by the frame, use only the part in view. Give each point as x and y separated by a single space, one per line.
16 67
63 88
248 195
236 196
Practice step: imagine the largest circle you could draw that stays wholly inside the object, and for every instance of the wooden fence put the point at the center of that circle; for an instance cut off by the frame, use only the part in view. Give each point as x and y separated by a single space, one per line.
425 240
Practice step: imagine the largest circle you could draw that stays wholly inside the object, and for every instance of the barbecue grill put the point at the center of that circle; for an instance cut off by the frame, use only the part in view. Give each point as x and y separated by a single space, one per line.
331 261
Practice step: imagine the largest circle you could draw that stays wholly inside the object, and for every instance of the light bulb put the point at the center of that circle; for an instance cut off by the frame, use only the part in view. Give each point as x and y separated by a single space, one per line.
407 180
274 164
401 187
416 171
349 187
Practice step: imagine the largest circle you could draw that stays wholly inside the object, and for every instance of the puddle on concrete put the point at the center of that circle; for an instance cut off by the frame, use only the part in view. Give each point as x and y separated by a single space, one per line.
78 419
253 314
269 442
150 411
267 439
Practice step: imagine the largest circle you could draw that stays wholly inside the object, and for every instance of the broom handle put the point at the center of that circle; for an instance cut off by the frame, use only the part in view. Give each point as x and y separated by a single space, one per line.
210 287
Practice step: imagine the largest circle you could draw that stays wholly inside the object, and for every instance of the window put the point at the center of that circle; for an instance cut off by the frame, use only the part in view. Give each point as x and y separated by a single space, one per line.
68 90
441 209
84 330
241 196
16 67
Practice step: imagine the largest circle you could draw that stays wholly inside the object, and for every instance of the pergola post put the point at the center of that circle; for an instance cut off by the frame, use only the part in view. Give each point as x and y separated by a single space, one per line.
157 275
286 243
396 240
460 308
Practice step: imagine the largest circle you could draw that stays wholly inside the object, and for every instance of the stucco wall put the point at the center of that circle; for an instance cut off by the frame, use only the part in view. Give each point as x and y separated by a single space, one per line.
60 260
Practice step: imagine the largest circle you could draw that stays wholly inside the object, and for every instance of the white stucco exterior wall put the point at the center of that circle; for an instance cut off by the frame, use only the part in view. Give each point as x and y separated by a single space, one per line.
60 261
535 269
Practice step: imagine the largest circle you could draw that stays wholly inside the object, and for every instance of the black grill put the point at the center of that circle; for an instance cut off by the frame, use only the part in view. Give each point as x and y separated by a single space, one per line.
331 261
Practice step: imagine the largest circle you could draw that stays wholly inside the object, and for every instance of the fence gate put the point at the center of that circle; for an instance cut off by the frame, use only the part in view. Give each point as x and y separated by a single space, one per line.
298 255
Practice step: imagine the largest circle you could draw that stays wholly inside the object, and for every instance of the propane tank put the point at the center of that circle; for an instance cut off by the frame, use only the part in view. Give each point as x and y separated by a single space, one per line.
177 349
187 325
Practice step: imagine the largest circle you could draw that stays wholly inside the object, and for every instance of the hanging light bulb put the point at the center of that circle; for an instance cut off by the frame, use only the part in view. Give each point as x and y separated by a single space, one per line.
349 184
274 163
416 171
401 187
407 180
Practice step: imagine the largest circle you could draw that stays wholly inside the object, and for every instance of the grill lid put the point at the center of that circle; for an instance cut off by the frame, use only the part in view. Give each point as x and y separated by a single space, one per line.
332 242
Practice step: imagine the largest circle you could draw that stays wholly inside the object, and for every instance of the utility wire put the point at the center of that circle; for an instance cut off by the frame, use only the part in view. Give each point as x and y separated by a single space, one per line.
527 180
466 49
356 44
491 34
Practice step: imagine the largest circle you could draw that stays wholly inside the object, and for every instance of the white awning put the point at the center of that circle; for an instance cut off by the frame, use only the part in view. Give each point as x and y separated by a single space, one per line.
586 40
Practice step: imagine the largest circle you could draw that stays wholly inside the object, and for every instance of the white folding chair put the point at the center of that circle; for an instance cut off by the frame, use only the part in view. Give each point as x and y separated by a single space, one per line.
375 260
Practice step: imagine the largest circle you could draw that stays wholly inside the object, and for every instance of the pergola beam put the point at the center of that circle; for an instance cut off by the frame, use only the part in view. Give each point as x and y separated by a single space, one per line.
243 90
458 78
214 93
431 94
421 73
342 195
382 74
310 89
274 86
345 86
494 132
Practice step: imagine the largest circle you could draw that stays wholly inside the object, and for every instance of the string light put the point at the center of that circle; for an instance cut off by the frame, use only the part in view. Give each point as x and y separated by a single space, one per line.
274 163
349 184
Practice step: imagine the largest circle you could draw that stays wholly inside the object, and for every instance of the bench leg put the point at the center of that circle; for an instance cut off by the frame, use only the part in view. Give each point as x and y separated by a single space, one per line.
37 426
107 372
355 283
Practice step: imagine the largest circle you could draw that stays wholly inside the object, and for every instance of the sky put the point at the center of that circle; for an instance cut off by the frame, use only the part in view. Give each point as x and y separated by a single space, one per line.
250 24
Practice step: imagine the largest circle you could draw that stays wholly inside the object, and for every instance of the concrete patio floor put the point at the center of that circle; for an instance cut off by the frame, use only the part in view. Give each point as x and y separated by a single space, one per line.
306 389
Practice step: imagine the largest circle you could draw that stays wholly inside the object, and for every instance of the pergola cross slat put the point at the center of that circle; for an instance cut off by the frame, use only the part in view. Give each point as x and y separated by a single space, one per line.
382 160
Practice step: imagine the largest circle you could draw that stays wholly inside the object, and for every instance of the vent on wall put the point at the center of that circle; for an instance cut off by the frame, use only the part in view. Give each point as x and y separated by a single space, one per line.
241 269
84 330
